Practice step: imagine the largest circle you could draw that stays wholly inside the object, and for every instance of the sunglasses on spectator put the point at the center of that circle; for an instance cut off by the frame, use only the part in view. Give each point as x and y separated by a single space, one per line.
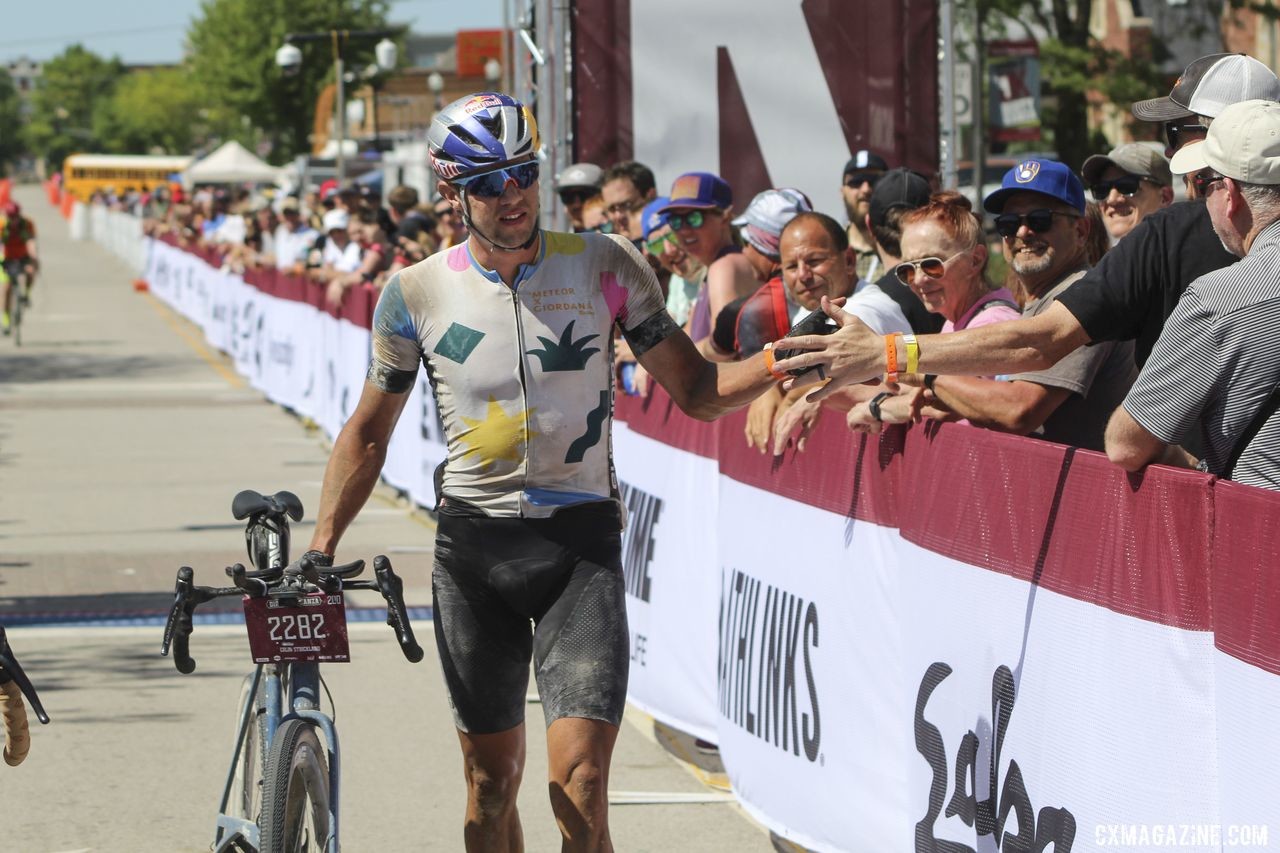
1204 180
492 184
1126 185
576 196
1172 130
657 244
932 267
693 219
1039 221
629 206
853 180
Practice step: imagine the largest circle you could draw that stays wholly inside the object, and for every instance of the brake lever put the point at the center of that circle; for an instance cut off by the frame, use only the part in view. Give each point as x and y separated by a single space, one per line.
10 666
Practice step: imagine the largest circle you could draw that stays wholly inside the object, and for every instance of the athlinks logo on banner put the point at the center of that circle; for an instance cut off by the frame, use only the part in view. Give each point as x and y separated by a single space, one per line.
767 637
643 511
1036 831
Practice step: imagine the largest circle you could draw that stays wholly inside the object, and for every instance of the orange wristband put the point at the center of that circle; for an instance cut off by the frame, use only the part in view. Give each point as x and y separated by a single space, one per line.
891 359
769 361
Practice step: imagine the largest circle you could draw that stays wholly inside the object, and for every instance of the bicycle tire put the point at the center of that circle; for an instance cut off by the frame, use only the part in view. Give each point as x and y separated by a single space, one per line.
246 792
295 795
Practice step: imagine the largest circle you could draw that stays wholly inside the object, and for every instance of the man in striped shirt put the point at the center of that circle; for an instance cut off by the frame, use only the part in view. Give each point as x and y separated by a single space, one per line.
1216 364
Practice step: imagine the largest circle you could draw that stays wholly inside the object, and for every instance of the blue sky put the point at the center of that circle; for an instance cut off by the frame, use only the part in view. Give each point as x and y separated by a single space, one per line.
151 31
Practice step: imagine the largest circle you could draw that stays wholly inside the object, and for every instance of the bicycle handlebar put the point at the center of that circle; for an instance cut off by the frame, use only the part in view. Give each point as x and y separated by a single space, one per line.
14 685
187 597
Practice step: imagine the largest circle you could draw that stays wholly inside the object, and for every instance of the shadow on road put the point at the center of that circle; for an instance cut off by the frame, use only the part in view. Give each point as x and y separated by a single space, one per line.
46 367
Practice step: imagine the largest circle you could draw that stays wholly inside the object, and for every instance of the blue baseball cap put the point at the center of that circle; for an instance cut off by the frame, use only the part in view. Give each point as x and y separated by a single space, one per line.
1047 177
699 190
653 216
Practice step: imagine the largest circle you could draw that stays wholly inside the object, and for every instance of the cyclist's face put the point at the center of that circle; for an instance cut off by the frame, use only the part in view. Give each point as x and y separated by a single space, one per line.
510 219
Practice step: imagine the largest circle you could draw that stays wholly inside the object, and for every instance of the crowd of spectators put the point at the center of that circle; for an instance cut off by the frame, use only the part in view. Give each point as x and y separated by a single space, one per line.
1049 345
339 237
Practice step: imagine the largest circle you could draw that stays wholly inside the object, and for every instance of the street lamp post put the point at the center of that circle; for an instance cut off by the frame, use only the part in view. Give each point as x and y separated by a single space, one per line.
435 82
289 58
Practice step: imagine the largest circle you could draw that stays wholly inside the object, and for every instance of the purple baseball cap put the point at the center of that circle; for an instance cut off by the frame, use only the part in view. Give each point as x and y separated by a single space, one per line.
699 190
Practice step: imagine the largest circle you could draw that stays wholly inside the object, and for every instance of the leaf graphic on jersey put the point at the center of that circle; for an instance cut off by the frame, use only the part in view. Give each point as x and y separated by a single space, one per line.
495 436
568 354
589 439
458 342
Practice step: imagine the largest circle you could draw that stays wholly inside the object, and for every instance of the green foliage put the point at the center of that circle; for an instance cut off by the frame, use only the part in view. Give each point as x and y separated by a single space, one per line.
11 143
232 56
1073 64
150 111
74 86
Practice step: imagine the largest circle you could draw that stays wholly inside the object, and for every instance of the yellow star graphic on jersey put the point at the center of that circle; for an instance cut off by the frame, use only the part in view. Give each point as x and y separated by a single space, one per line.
497 435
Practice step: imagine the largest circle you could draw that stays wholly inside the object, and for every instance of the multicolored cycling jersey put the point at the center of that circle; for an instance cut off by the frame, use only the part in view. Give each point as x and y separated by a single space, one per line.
14 235
522 375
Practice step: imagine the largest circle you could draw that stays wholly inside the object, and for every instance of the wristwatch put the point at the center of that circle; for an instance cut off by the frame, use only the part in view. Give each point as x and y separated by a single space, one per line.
873 406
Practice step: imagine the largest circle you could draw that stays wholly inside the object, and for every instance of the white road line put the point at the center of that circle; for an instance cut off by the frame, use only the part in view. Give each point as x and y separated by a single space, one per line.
663 798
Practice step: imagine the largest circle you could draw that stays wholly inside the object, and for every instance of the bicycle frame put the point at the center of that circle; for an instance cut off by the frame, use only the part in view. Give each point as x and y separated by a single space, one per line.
303 694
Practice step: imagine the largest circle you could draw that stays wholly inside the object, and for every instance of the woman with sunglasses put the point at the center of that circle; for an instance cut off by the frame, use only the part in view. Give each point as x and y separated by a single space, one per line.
944 241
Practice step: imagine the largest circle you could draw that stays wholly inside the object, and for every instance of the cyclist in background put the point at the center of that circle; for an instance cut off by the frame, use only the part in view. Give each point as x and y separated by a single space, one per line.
515 327
18 238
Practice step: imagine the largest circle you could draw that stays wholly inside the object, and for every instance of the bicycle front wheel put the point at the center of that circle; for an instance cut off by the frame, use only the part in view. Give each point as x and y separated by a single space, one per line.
245 797
295 796
15 314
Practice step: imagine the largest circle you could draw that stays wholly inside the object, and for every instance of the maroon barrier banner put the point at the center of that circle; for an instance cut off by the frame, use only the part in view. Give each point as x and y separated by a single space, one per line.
878 64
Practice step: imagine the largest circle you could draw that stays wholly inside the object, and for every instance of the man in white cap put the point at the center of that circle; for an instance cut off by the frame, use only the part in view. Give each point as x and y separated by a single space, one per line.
577 183
1127 296
1129 183
1216 366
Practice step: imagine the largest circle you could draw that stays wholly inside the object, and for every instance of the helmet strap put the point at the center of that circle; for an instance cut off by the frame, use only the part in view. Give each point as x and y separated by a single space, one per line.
471 228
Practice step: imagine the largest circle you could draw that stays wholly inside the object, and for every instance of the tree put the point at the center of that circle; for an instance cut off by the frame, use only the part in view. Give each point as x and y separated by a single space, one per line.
1073 64
232 49
150 109
11 143
73 86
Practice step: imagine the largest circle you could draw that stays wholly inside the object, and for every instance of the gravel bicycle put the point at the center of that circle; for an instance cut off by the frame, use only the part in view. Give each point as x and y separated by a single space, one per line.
14 685
279 794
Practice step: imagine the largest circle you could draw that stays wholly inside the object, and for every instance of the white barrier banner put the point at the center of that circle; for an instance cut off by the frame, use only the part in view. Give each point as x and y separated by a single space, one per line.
669 555
871 689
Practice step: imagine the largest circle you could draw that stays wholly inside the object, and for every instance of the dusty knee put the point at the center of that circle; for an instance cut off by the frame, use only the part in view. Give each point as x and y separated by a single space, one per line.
583 782
493 789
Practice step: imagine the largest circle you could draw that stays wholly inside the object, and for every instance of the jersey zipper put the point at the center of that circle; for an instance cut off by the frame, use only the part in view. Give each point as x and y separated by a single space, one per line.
524 393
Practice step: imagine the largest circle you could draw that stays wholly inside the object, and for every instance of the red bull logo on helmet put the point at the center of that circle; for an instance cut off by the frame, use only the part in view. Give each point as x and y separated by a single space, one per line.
481 102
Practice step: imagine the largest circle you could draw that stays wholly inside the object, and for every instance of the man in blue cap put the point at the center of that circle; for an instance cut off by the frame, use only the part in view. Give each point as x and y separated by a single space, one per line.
1039 212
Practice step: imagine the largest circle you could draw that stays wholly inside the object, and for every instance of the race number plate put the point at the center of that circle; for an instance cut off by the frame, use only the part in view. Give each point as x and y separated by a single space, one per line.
303 628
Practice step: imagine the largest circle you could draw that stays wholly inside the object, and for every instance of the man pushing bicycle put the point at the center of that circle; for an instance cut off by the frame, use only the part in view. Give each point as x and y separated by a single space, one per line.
515 329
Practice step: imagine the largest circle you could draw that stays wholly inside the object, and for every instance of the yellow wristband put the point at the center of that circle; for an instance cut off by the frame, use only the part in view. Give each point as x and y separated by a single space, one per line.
913 353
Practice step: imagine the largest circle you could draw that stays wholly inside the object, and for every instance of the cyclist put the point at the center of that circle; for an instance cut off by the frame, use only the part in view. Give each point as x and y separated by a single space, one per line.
18 238
514 327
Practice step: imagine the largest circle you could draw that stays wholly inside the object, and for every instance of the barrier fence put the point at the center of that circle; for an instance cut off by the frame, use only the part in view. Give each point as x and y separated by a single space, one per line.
938 639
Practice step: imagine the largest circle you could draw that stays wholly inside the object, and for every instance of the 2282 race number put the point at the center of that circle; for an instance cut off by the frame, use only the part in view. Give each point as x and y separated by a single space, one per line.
298 628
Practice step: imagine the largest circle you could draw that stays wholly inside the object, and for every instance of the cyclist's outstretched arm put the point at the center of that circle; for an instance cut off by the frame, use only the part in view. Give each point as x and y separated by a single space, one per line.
702 389
356 462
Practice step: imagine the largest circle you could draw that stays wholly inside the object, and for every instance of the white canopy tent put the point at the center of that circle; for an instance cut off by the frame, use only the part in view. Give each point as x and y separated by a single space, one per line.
232 163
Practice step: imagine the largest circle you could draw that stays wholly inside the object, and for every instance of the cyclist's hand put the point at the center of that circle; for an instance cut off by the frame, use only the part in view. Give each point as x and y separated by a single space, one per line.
319 559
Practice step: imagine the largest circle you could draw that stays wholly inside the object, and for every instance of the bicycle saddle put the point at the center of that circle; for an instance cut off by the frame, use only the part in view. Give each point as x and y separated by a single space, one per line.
249 503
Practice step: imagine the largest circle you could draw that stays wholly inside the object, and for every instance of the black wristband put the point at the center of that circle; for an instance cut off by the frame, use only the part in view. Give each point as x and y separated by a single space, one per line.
319 559
873 405
929 379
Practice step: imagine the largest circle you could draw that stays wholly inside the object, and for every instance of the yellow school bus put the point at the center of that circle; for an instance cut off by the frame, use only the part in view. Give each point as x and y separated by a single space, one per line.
82 174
